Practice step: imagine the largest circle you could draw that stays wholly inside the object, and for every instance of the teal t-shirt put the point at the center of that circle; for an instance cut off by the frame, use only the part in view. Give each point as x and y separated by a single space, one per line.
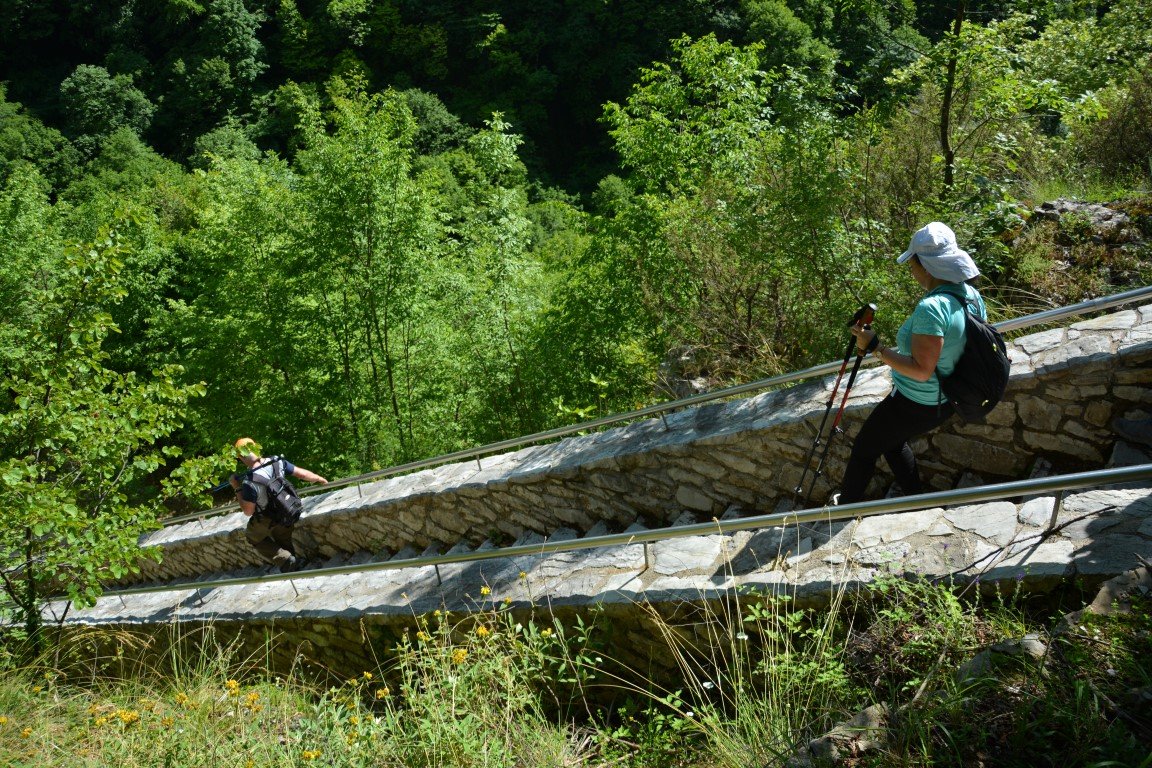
936 315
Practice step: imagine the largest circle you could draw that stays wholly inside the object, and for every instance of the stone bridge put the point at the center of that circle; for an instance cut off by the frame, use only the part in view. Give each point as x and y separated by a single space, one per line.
721 461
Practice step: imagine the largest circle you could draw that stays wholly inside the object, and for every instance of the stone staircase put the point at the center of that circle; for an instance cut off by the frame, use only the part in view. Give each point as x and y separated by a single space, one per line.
721 461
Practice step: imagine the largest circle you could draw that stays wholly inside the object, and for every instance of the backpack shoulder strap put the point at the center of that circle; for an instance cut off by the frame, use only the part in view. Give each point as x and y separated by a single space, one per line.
966 301
277 471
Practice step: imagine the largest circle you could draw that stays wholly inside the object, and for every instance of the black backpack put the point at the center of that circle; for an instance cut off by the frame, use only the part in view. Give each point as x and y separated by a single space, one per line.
284 504
978 382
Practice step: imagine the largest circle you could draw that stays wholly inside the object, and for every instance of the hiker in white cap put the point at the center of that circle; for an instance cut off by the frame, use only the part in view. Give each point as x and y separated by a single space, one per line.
928 345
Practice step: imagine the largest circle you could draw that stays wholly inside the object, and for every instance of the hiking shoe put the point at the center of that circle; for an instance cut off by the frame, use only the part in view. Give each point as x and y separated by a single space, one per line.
1134 430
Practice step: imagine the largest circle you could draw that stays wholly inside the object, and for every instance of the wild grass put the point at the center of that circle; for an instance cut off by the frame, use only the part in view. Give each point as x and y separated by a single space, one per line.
758 677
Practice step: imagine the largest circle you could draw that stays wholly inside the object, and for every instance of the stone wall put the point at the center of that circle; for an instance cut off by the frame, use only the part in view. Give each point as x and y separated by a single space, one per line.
743 456
640 598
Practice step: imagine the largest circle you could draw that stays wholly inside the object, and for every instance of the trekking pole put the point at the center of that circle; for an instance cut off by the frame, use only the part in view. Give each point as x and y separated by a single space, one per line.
865 315
835 430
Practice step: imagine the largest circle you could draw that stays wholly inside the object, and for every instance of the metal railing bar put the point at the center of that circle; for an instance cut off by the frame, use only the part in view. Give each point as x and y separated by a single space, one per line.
1083 308
954 497
538 437
1027 321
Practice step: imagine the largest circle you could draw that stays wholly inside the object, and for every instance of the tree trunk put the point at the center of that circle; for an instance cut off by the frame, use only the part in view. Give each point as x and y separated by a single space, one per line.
946 148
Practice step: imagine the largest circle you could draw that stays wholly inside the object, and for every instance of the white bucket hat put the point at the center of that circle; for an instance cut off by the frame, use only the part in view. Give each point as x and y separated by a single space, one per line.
935 244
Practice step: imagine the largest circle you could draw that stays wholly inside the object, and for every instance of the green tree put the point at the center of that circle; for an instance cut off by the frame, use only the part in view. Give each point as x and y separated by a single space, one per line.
498 284
787 40
25 140
210 73
369 237
737 236
97 104
699 116
74 437
240 312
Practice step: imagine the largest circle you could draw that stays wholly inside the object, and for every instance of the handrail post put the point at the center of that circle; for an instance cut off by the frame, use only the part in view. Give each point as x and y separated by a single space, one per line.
1056 505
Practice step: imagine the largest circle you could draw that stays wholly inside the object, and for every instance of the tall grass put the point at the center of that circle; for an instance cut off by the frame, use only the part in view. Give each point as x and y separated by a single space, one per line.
466 692
759 677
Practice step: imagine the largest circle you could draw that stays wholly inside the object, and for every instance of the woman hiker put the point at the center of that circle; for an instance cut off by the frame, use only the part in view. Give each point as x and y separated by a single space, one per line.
928 344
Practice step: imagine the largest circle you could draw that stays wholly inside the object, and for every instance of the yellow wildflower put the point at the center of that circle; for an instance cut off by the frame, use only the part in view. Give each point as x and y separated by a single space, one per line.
382 693
367 675
482 631
459 655
26 733
545 633
100 721
310 754
167 722
507 601
37 688
233 687
485 591
3 720
422 636
128 716
523 575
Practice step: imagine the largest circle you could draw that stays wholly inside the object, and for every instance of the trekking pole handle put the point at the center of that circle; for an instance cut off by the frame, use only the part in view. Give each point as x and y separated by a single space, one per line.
865 315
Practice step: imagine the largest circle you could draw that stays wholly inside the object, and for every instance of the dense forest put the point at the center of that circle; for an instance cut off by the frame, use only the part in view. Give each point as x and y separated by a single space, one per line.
370 231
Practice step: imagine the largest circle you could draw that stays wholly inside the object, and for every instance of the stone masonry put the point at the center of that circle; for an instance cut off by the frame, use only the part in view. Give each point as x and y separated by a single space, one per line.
724 461
1066 385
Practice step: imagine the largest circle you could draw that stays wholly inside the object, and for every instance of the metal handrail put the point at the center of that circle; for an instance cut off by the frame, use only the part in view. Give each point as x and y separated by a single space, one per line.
1027 321
1031 486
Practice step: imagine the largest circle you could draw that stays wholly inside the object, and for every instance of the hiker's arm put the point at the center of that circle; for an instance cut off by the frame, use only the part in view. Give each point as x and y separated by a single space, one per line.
921 363
247 507
307 475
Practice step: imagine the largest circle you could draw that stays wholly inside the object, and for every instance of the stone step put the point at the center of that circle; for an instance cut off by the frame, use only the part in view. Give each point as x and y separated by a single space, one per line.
1067 385
1101 533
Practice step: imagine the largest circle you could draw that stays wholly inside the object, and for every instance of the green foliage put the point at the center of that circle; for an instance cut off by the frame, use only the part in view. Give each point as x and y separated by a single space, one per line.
73 437
741 249
787 40
210 72
227 141
97 104
660 731
238 329
25 140
1118 142
369 239
459 693
916 629
437 129
696 118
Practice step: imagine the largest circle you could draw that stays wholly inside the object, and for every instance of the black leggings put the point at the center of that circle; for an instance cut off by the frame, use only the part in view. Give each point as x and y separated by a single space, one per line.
886 432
